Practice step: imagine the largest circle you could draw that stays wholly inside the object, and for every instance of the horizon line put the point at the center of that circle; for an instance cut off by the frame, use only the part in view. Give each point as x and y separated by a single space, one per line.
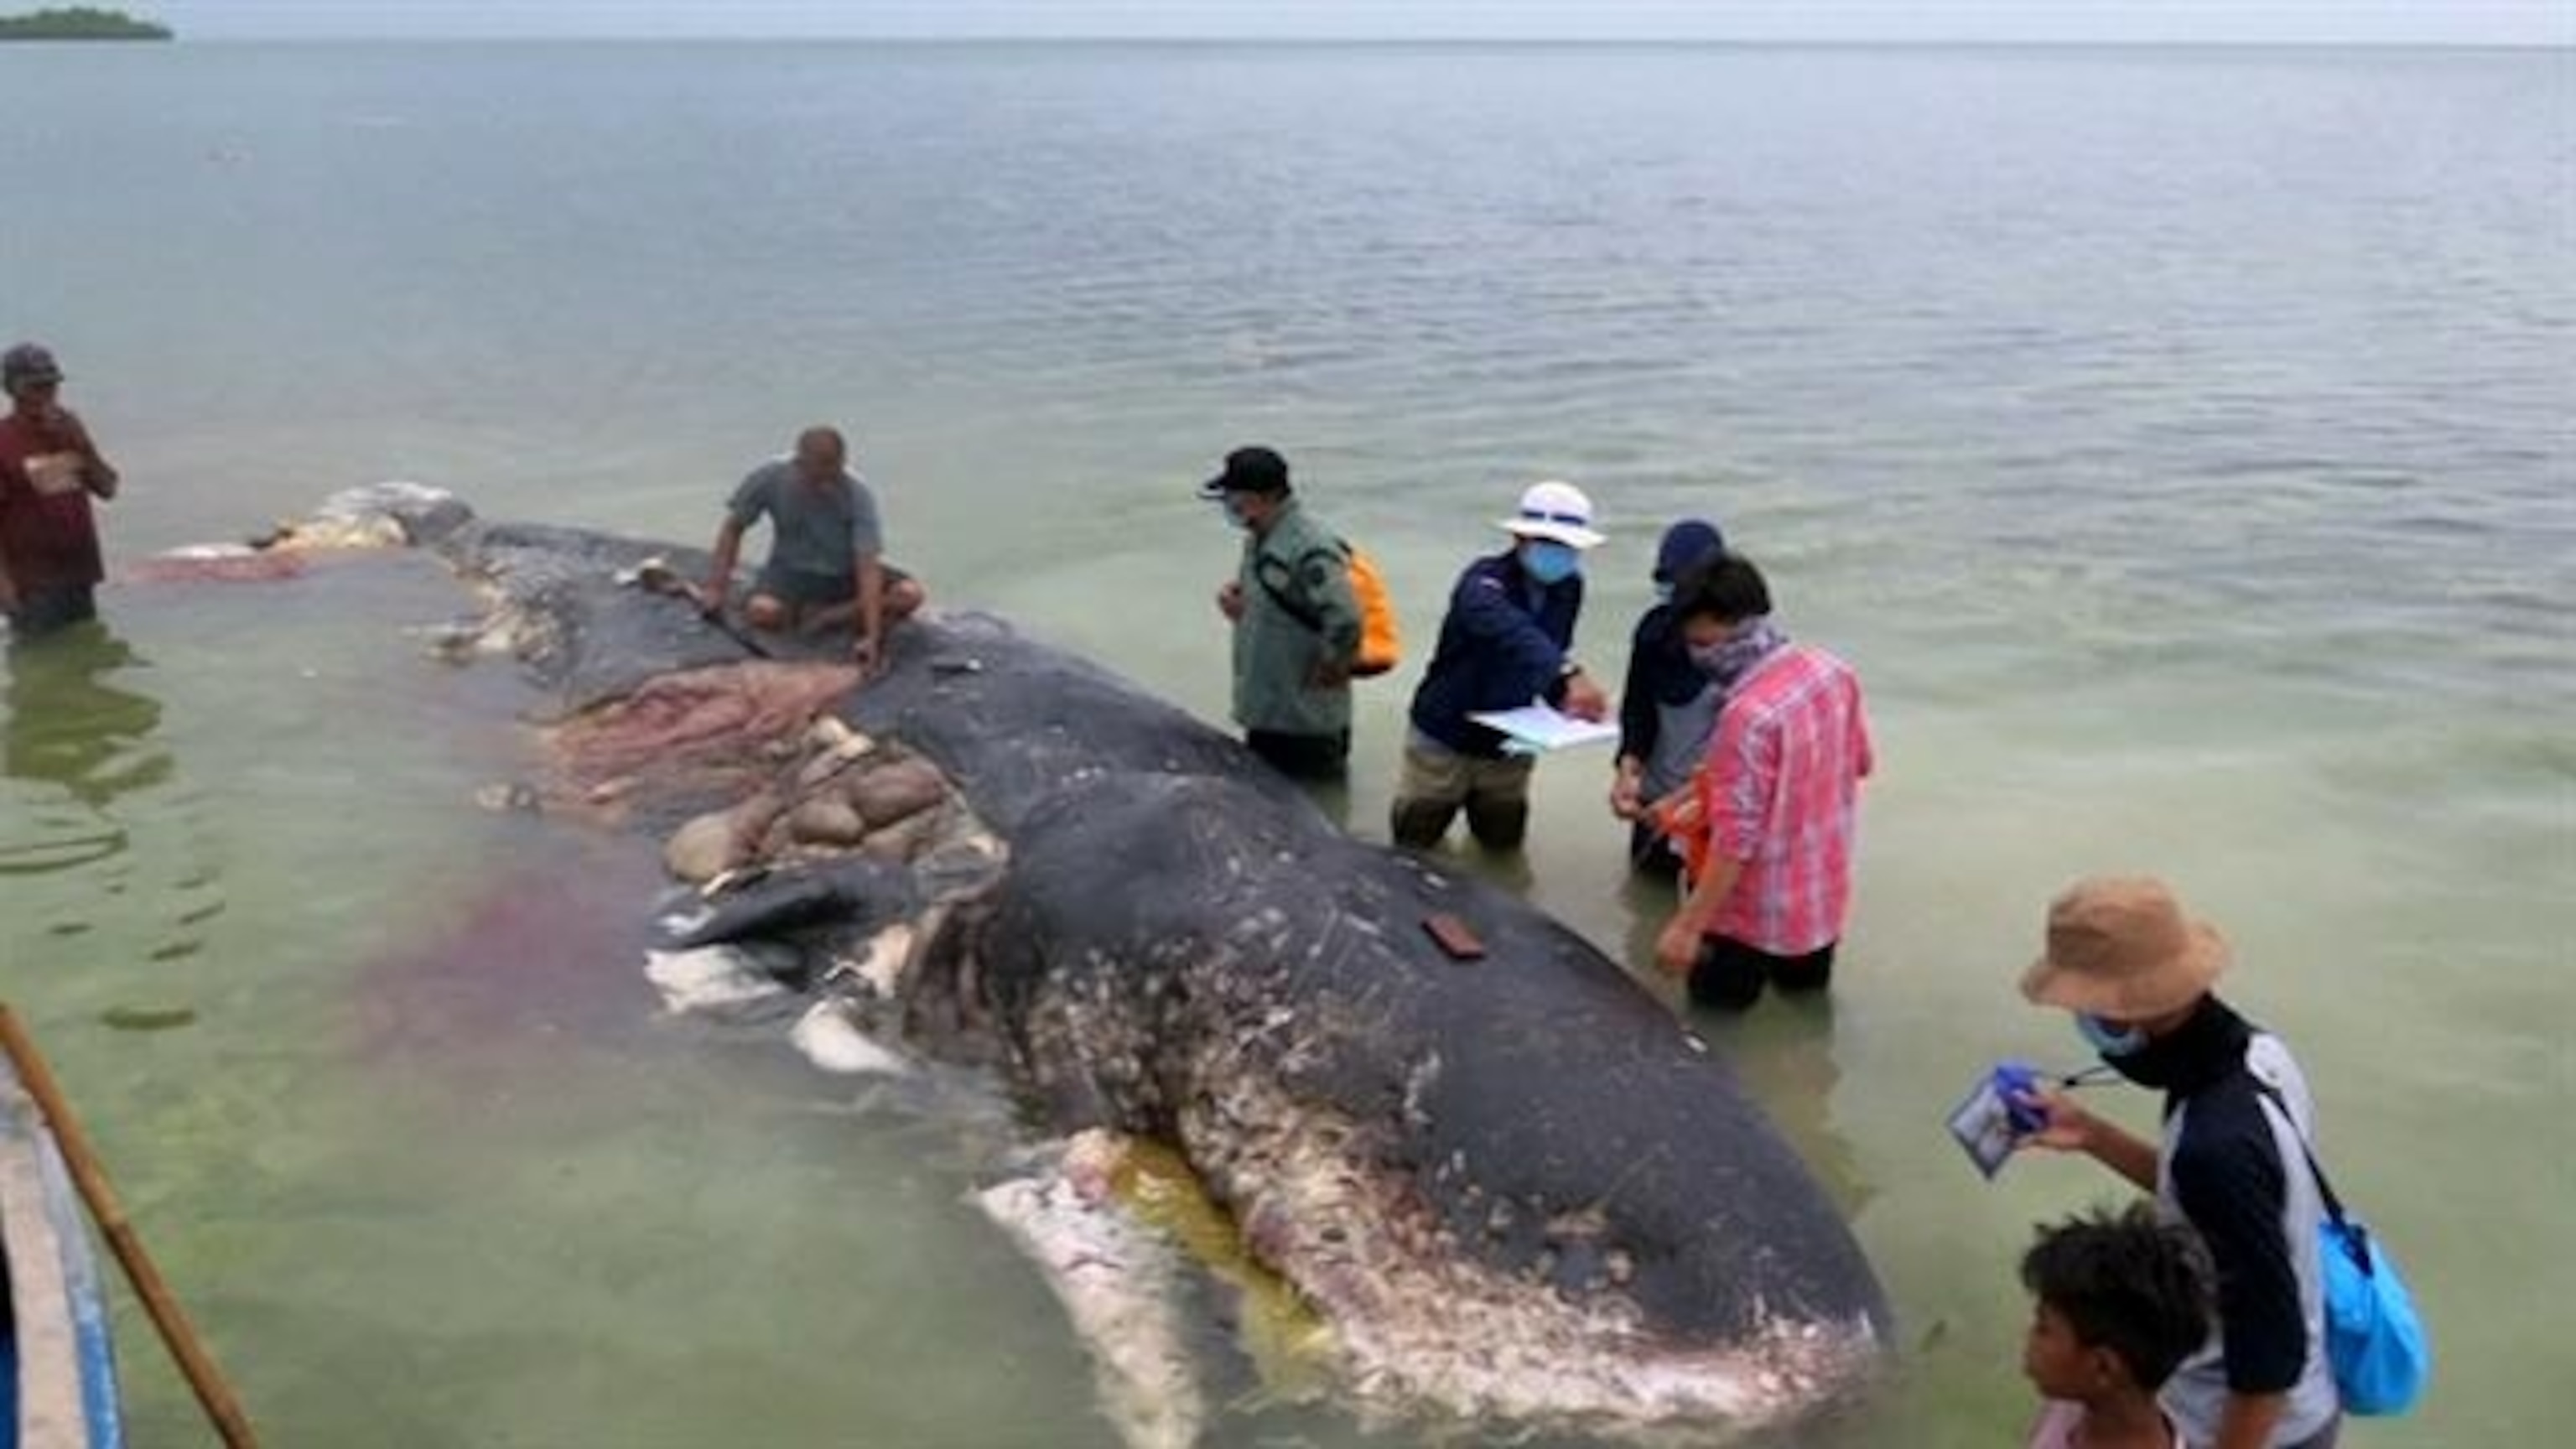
1713 42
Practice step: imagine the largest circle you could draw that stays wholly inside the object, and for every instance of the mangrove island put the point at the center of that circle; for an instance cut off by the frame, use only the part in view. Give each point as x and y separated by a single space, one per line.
79 22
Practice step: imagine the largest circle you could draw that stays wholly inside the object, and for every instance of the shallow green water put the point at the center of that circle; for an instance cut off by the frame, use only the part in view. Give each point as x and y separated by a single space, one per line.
2176 442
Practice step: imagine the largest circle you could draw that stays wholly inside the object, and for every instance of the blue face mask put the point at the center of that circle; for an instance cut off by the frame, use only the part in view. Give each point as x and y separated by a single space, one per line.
1550 562
1233 514
2098 1034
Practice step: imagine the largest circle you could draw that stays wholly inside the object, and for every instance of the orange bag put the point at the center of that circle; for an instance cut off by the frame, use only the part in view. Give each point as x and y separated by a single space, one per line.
1379 645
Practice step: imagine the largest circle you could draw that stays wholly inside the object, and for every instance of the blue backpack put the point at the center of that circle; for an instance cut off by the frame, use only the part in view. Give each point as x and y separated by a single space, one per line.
2374 1338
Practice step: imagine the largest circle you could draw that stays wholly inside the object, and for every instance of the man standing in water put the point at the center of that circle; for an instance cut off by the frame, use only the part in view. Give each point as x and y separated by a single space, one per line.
826 567
1768 848
49 471
2232 1160
1504 643
1296 623
1668 706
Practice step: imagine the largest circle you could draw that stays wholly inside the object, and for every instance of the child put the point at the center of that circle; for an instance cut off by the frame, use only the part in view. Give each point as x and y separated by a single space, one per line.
2122 1299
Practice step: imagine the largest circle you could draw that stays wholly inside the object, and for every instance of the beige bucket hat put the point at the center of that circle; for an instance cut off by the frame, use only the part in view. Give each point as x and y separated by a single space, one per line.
2121 947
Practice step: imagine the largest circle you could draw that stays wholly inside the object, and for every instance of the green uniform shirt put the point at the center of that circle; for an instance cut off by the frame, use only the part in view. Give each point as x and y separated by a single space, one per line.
1275 651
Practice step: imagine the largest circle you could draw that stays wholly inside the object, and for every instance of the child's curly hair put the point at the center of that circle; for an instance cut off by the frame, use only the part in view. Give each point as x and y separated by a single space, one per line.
2126 1281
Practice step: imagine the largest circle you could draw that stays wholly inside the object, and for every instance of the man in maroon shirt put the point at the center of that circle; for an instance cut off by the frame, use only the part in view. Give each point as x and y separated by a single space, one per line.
49 470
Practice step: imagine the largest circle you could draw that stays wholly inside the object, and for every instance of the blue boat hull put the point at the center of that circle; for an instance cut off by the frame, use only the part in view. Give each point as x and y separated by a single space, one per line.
57 1371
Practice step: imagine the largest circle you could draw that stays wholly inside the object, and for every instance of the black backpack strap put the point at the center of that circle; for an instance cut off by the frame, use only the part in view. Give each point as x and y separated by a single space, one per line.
2325 1189
1312 620
2356 1237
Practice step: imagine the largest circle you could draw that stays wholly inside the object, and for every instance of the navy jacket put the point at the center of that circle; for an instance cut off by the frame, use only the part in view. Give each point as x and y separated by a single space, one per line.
1659 672
1502 644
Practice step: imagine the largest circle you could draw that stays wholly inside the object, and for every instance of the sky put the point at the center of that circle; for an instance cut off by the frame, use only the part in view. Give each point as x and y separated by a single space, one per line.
2458 22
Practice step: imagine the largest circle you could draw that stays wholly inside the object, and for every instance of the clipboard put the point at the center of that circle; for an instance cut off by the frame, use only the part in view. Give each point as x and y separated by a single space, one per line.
1544 727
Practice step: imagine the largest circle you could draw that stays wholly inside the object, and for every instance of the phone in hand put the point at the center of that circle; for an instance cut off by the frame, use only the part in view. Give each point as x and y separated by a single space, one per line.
1992 1120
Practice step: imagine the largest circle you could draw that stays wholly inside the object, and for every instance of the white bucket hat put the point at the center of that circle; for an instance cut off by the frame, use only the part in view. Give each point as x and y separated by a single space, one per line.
1555 511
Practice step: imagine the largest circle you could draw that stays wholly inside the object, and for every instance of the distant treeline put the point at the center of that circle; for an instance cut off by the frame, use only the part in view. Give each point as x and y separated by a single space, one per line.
79 22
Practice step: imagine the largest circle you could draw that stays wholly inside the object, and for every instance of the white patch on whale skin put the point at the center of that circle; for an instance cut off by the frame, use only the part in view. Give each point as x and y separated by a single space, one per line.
682 919
374 515
882 969
1116 1279
709 977
831 1040
833 738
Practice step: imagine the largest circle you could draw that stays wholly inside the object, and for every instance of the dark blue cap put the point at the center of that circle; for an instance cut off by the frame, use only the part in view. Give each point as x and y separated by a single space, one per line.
1686 543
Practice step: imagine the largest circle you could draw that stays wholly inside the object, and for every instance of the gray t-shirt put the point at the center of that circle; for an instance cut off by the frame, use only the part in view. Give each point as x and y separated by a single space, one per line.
817 530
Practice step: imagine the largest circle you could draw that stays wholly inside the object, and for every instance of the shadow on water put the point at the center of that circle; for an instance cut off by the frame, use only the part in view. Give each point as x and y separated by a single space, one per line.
85 772
84 742
1782 1047
1332 799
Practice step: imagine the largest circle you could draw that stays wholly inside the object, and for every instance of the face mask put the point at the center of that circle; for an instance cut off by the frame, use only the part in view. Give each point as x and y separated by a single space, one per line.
2098 1034
1727 660
1663 593
1233 514
1550 562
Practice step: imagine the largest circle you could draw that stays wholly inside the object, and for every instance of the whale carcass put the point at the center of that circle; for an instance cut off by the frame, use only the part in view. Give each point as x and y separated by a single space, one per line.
1511 1190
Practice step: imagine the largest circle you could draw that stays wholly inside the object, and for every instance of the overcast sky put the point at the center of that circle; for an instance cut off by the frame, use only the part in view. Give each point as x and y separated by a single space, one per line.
2505 22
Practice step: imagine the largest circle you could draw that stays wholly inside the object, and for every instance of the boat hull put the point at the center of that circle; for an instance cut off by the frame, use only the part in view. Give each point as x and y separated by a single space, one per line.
60 1389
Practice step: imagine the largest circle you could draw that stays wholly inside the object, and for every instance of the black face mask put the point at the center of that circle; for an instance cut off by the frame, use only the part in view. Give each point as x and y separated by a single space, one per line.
2207 1046
2154 1065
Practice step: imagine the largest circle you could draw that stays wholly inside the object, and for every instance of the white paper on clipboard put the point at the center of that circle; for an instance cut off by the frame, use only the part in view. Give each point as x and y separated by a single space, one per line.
1544 727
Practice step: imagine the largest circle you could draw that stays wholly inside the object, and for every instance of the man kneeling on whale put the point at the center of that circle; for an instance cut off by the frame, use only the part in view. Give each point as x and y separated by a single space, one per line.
826 567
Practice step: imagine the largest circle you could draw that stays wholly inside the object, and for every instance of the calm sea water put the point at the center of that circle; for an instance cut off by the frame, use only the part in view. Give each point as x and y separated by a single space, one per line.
2178 442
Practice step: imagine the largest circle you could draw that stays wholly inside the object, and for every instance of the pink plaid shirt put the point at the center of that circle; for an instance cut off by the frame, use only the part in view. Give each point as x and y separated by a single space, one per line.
1781 792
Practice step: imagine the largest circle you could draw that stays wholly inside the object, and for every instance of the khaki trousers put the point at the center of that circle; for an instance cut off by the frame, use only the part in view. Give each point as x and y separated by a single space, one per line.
1436 783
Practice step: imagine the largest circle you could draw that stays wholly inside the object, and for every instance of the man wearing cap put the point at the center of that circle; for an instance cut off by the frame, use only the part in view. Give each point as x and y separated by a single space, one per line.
1769 822
1504 643
1296 624
49 471
2232 1159
826 567
1667 707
